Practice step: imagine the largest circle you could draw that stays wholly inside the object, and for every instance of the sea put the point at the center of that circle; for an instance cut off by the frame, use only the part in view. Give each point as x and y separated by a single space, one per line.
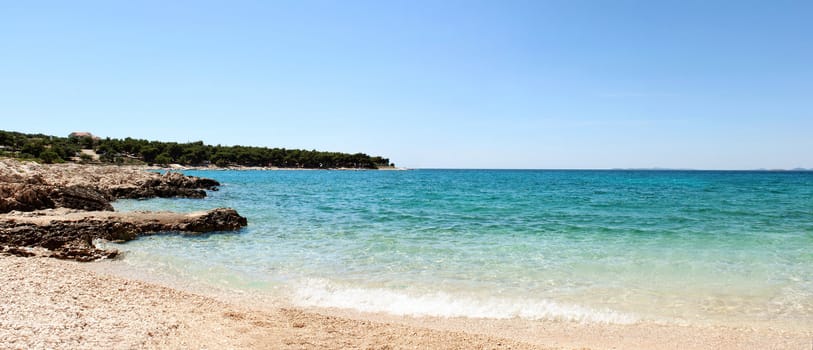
728 248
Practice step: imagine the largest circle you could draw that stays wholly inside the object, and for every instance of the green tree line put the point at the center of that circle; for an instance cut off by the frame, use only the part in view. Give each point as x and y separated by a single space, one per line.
54 149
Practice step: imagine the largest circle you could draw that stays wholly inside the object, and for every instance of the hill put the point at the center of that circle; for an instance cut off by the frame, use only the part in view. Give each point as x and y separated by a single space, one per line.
55 149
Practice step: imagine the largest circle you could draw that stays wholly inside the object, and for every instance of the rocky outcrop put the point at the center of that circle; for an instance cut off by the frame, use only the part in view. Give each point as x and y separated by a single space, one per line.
27 186
82 197
28 197
70 234
62 208
24 197
167 185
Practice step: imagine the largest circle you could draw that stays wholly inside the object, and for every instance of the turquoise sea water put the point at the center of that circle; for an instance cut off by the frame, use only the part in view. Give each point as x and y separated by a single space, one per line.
595 246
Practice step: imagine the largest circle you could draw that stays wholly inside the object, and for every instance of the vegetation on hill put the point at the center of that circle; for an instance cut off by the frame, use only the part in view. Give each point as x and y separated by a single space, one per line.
54 149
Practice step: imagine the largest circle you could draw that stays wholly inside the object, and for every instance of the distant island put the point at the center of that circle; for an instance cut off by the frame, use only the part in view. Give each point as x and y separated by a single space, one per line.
84 147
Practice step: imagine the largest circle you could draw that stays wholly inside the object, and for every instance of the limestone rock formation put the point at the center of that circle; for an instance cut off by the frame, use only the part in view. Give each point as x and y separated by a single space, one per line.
70 233
62 208
31 186
167 185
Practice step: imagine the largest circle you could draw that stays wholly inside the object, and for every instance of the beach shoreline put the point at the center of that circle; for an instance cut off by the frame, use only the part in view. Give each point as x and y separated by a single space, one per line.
50 303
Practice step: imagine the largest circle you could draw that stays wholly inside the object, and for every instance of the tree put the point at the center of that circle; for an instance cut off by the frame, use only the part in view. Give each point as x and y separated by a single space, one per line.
174 151
163 159
33 148
192 153
87 142
196 153
49 156
148 153
107 152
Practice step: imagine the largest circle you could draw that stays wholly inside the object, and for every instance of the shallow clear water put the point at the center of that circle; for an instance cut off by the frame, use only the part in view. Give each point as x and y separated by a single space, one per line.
602 246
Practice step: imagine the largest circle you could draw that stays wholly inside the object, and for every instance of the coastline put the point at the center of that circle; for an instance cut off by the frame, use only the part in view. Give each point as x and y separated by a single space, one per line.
53 303
60 304
178 167
50 303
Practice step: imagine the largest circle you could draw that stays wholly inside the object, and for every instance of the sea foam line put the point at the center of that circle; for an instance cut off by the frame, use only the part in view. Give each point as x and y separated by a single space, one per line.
321 293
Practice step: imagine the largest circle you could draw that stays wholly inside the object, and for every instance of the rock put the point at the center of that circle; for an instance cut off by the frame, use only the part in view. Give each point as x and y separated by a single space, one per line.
30 186
29 197
16 251
166 186
35 179
84 198
220 219
160 191
70 234
64 207
24 197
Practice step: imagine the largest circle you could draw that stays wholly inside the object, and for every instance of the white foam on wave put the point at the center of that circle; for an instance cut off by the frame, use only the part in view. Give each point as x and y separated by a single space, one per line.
321 293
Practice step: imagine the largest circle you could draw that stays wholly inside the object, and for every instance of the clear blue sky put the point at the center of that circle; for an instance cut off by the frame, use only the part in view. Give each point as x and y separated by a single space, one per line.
496 84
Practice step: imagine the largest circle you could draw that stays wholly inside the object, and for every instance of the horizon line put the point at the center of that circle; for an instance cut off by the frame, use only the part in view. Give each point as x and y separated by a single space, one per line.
621 169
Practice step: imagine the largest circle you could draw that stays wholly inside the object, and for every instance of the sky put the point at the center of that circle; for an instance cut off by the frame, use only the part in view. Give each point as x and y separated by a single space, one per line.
430 84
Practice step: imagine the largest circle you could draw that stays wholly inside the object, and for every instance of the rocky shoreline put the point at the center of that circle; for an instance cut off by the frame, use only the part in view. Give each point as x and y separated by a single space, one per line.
58 210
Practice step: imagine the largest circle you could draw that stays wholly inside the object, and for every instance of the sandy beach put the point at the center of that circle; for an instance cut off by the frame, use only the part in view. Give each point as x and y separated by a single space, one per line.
49 303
